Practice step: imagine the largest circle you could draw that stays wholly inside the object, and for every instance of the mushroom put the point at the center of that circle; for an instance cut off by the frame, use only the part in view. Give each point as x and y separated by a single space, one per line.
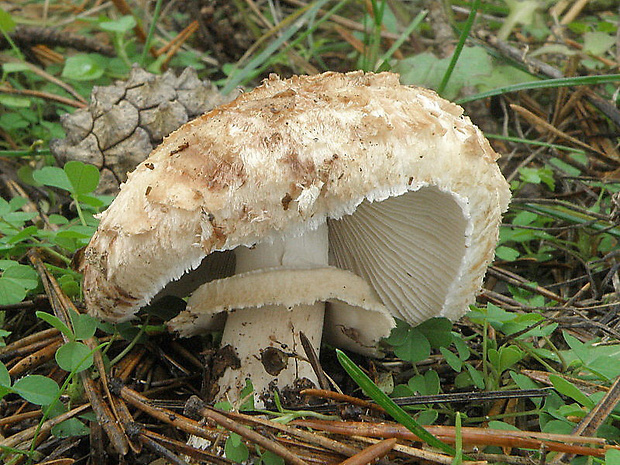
346 199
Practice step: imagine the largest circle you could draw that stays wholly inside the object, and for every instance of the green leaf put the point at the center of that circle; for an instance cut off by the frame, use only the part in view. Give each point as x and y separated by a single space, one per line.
6 264
84 326
23 275
7 24
5 377
121 25
69 286
84 178
525 218
24 234
13 122
74 357
598 43
364 382
402 390
269 458
246 393
505 75
235 449
526 320
493 356
17 67
476 376
399 333
558 427
5 207
415 347
15 101
437 331
454 361
76 232
568 389
37 389
15 281
53 176
427 417
91 200
609 432
506 253
417 385
70 428
568 169
224 405
425 385
461 347
495 424
55 408
10 292
425 69
521 12
57 219
56 323
504 358
508 356
537 175
580 349
492 313
612 457
82 68
129 332
525 382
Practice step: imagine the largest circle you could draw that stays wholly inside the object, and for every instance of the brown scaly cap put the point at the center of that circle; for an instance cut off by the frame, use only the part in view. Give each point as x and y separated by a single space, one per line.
409 185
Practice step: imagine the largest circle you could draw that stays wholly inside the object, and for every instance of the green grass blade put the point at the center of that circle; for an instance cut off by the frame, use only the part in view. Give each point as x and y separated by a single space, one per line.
547 83
372 40
304 35
25 153
458 444
406 33
459 46
259 60
388 404
520 140
149 35
574 217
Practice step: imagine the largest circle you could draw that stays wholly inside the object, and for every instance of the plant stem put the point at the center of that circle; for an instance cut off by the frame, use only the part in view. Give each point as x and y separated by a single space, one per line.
545 84
79 210
61 391
459 46
131 344
149 35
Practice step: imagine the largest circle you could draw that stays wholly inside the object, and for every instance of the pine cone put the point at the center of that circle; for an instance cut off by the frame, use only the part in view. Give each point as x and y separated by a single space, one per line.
125 121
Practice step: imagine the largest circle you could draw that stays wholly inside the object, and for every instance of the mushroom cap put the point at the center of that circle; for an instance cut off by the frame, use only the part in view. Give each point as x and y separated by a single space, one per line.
409 186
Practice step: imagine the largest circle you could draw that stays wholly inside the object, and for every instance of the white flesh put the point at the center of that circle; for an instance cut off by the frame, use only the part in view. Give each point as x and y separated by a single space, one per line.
251 331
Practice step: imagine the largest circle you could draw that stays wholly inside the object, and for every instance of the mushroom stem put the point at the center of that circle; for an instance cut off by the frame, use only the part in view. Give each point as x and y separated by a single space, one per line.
266 339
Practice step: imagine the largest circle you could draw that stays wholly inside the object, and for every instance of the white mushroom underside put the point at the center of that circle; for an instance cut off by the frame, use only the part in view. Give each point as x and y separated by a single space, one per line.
354 307
409 248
